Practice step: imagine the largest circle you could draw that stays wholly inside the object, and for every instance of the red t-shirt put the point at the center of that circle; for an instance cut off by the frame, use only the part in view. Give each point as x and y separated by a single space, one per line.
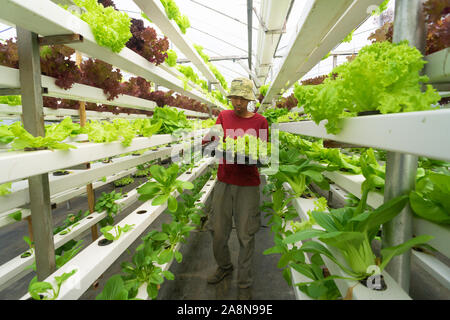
240 174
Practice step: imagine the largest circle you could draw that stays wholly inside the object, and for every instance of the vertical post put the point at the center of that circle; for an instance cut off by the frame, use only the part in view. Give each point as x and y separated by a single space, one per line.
33 120
89 188
401 169
335 57
209 90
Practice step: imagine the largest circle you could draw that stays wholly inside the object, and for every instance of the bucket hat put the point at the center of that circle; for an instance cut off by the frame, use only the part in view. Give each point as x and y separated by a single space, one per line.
242 87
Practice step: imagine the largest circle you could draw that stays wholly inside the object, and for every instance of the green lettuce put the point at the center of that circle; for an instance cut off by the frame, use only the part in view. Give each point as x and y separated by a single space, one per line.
111 28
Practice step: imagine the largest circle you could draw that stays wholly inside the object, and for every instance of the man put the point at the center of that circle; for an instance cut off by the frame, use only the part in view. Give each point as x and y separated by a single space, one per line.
237 193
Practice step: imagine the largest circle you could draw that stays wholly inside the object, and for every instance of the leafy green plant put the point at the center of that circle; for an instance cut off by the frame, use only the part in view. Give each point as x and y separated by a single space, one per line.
111 28
431 198
30 245
298 172
5 188
146 128
173 13
107 202
384 77
171 59
70 220
11 100
172 120
351 230
123 182
25 141
37 288
17 215
117 231
161 189
6 136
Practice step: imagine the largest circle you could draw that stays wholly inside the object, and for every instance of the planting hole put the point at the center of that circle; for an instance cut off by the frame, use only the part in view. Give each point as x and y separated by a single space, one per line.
141 211
40 296
376 283
89 217
25 255
104 242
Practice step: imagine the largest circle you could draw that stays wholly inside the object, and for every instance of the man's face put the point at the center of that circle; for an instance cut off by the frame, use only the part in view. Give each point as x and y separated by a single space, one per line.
239 104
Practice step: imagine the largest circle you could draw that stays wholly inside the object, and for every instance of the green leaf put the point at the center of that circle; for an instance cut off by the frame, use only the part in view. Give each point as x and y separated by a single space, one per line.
160 236
381 215
152 290
39 288
172 204
158 173
159 200
114 289
178 256
287 276
156 278
324 220
16 215
62 278
303 235
168 275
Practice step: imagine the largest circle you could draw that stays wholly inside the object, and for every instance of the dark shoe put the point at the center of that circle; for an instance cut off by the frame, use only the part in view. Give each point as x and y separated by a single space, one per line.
245 294
219 275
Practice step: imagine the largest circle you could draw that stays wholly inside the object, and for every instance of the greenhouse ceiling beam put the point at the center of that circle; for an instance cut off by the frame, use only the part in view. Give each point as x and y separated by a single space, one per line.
250 31
322 25
155 10
47 19
273 20
221 13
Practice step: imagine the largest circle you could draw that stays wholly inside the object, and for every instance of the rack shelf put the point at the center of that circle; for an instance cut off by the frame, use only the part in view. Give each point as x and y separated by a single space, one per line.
78 178
94 260
21 164
48 19
9 78
155 11
414 133
322 26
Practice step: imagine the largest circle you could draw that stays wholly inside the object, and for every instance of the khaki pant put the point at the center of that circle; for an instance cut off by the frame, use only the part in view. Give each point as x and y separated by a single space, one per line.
243 203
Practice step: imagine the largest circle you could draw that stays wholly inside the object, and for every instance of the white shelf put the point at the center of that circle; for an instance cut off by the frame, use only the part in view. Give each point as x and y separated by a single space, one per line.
322 25
16 268
22 164
94 260
155 11
9 78
68 184
437 269
422 133
47 19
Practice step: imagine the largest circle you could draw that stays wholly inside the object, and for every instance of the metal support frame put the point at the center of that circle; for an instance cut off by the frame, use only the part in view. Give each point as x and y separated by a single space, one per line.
89 188
33 120
60 39
16 91
401 169
250 31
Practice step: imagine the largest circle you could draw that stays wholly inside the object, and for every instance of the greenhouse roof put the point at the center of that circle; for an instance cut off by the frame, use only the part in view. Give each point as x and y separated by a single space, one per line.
221 28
